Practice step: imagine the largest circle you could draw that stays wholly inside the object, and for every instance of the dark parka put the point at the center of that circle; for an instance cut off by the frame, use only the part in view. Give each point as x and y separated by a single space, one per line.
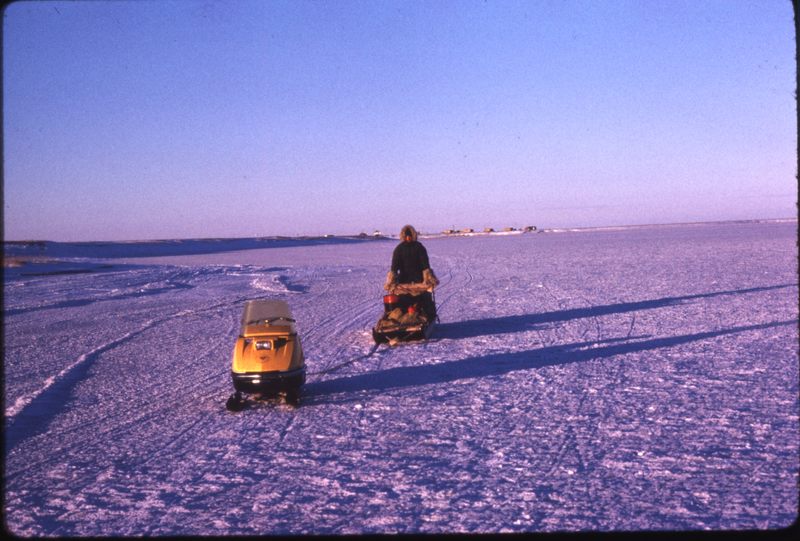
409 258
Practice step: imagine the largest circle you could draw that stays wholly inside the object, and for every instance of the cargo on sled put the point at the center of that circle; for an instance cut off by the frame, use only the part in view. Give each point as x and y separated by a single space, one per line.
409 312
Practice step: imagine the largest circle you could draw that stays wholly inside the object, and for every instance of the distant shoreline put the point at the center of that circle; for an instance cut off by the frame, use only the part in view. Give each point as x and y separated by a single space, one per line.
41 258
381 236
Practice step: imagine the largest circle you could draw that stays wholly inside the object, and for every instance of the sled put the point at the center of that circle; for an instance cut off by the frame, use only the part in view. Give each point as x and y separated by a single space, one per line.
387 332
403 317
268 358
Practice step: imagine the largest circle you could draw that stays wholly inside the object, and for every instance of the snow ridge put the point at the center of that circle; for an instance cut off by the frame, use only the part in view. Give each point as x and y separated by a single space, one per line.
25 401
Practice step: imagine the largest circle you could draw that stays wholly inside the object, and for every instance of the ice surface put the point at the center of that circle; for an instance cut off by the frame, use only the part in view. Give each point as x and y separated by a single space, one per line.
631 379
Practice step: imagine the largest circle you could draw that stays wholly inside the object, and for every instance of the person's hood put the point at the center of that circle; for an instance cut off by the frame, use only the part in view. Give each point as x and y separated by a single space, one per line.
410 228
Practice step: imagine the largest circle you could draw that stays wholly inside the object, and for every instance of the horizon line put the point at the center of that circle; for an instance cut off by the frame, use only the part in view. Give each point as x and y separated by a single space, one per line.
378 233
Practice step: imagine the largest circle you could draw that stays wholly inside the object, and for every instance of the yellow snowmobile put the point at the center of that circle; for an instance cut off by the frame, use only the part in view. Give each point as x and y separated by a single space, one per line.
267 358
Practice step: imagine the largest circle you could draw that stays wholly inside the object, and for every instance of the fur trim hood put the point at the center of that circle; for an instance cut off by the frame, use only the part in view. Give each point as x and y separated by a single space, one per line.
408 228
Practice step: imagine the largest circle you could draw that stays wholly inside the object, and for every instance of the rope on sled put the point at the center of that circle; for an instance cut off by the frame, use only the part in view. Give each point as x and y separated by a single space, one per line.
367 355
345 363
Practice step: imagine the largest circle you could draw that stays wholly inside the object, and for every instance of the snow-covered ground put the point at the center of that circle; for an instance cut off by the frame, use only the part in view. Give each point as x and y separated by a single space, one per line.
632 379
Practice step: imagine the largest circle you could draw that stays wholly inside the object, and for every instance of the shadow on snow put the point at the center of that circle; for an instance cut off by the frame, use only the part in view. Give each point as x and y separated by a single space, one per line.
526 322
35 417
504 363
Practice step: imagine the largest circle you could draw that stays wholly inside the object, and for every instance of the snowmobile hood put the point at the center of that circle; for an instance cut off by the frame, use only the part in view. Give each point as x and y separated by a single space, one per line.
409 228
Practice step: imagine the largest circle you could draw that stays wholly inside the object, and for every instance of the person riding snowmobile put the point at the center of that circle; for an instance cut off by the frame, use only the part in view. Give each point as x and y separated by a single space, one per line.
410 265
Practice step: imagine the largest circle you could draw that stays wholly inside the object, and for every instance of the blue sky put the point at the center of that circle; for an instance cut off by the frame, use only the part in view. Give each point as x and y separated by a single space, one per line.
186 119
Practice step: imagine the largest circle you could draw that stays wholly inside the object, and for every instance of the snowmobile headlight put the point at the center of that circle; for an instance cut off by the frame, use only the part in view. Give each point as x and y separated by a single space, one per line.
263 344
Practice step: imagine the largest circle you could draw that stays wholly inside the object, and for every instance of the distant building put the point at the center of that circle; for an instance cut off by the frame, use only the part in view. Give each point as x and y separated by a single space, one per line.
507 229
467 230
530 228
449 231
489 230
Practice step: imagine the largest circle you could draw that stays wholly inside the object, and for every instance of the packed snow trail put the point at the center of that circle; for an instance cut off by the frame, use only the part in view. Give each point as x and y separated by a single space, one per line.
640 379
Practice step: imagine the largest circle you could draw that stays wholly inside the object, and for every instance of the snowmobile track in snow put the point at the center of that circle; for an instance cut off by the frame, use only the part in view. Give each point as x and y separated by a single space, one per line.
659 392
